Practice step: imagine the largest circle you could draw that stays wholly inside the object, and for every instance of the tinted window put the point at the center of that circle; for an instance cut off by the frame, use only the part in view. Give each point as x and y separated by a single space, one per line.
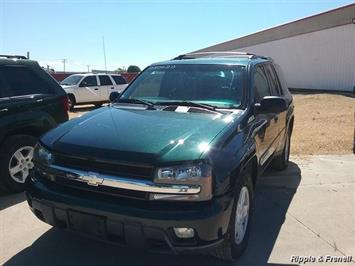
89 81
105 80
218 85
283 83
3 87
274 83
119 80
261 86
18 81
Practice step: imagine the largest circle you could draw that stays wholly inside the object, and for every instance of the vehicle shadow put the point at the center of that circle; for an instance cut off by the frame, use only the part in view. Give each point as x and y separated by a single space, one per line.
8 200
349 94
273 197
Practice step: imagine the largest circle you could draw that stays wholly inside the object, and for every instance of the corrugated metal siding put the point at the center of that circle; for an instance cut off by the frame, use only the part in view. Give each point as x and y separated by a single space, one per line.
319 60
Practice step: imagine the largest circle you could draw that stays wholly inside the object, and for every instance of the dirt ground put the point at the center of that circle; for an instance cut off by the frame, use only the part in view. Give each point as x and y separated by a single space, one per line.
324 123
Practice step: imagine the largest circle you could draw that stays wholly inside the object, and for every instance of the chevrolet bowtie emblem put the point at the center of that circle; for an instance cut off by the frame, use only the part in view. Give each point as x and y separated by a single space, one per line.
92 179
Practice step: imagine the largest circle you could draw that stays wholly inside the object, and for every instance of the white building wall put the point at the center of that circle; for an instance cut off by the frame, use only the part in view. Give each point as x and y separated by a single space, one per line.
319 60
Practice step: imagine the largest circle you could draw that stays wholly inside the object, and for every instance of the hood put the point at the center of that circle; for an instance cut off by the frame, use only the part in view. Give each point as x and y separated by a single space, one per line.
67 87
149 136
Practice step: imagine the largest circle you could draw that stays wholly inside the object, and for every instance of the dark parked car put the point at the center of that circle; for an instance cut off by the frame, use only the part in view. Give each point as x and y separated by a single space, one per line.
173 162
31 103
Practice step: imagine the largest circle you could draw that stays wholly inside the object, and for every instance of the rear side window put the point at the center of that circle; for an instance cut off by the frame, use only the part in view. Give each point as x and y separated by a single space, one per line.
19 81
89 81
105 80
261 86
119 80
274 82
282 80
3 87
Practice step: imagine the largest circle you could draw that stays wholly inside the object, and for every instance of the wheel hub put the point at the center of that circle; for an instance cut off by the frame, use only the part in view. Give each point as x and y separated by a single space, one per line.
242 215
21 163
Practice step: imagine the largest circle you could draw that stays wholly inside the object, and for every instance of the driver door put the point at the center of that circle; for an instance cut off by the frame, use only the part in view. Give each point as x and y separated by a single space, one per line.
88 90
266 123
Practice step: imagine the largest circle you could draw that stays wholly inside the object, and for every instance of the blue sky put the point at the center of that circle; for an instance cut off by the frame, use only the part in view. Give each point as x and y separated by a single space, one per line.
136 32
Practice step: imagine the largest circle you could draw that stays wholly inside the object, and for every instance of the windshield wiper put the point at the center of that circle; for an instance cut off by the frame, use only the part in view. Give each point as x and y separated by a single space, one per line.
133 100
194 104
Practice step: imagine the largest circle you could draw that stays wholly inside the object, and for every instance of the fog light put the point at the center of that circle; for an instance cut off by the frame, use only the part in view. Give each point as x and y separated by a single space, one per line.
184 232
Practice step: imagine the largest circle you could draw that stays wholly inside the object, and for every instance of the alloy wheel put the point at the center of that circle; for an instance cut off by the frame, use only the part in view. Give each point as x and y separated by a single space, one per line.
21 163
242 215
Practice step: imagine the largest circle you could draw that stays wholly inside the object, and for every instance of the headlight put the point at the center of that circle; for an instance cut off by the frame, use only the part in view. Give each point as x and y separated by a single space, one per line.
199 174
42 155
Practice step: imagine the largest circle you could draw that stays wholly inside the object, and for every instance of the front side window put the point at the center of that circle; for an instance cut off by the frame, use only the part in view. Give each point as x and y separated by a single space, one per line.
71 80
20 81
218 85
261 86
89 81
105 80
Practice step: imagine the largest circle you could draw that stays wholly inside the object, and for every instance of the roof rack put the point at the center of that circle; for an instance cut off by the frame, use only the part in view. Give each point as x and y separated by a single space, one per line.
13 56
218 54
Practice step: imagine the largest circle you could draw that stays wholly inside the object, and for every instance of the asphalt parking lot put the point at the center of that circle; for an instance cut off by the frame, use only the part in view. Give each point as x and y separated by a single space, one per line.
306 210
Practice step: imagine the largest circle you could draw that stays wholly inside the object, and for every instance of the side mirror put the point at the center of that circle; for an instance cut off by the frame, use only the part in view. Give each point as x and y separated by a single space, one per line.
114 96
83 84
271 104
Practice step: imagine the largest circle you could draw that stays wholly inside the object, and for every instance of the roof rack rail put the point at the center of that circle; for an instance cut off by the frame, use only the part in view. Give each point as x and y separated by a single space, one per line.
13 56
216 54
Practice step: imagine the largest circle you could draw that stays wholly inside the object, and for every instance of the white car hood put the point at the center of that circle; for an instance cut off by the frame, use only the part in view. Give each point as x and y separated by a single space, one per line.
66 87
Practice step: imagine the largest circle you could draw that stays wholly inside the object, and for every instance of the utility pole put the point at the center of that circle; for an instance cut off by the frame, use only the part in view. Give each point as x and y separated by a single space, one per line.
103 46
88 68
64 61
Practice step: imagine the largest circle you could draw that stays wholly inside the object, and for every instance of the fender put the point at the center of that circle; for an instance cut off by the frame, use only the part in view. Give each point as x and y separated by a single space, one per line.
33 123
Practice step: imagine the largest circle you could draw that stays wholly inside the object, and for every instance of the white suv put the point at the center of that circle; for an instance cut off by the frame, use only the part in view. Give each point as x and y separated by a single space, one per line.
92 88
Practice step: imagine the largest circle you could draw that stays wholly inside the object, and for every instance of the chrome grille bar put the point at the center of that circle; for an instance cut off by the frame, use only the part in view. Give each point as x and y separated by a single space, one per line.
97 179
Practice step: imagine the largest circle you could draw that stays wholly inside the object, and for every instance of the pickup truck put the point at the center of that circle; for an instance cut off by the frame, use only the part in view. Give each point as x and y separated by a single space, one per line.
172 163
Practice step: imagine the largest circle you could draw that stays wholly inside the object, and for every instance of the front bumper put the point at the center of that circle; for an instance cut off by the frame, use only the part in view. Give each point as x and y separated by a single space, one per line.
128 222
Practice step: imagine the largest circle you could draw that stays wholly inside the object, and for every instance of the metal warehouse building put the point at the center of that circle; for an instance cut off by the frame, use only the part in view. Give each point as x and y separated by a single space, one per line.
316 52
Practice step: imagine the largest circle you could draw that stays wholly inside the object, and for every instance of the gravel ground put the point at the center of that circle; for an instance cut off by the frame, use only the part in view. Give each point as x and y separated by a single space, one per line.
324 123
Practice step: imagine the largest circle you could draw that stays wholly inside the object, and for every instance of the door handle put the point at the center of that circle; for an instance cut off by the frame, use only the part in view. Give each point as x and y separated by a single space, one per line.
4 110
112 88
96 89
276 118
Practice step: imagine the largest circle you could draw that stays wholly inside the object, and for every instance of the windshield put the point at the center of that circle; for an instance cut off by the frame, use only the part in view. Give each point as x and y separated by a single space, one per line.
71 80
218 85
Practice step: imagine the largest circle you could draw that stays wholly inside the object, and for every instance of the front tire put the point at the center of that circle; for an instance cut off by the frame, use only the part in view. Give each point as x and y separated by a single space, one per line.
71 102
236 238
16 162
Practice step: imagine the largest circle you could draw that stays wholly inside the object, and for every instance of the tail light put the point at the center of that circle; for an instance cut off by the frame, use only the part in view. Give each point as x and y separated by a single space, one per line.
65 103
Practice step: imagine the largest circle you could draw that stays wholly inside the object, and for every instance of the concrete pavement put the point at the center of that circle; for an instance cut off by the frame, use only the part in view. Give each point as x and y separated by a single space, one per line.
307 210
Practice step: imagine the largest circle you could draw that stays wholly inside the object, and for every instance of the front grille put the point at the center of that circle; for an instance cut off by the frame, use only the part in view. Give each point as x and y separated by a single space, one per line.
58 180
111 168
103 189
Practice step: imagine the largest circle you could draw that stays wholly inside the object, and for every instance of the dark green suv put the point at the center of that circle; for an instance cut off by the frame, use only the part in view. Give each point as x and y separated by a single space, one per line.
171 164
31 103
